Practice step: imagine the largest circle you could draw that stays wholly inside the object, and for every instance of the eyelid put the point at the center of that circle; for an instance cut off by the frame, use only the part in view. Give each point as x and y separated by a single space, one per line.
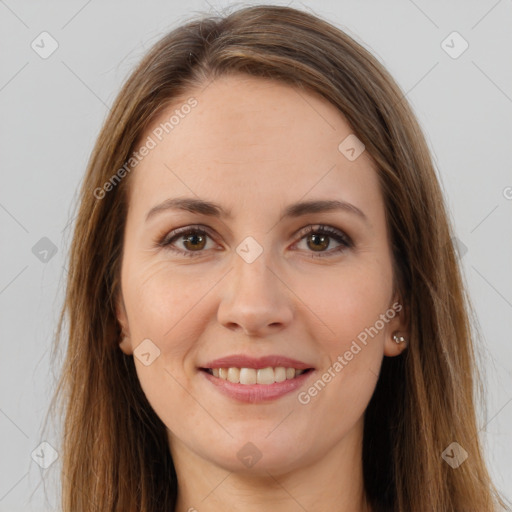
329 230
337 234
183 231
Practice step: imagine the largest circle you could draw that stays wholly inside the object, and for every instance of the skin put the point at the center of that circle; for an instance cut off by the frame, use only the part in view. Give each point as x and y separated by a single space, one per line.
274 146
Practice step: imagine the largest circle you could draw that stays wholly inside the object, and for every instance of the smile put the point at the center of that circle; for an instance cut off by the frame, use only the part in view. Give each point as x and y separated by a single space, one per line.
248 376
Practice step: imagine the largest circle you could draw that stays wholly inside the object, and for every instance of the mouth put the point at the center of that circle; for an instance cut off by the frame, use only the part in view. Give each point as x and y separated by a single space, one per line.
256 379
250 376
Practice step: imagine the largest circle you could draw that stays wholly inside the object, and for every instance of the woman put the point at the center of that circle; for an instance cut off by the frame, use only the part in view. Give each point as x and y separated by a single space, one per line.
265 308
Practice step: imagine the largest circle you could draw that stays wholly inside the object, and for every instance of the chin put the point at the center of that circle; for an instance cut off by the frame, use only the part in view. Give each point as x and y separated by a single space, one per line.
260 454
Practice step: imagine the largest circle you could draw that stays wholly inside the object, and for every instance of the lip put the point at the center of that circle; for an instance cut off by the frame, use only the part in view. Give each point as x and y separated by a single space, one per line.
243 361
253 393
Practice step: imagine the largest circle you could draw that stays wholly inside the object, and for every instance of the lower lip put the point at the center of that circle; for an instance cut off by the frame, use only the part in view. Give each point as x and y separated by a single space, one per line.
253 393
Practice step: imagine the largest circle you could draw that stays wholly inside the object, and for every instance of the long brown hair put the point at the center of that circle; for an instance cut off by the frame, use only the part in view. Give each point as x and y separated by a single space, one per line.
115 454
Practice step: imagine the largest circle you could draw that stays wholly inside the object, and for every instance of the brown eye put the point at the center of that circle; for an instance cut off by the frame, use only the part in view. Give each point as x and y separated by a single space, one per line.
319 238
194 242
318 242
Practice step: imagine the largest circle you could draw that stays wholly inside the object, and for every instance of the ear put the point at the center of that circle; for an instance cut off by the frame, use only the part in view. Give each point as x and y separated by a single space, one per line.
398 325
125 344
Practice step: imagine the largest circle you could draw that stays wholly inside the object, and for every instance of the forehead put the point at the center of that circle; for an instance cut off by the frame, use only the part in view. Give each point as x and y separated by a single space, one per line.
250 143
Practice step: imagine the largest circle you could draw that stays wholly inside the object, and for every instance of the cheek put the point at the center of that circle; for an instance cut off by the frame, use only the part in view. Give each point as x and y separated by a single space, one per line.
165 306
340 394
354 306
162 304
348 301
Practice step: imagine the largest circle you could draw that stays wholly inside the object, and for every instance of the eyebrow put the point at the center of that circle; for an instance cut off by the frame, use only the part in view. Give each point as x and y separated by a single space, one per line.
203 207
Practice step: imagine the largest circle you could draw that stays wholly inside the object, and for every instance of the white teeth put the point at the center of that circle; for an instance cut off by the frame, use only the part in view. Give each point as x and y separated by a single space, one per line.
266 376
247 376
234 375
279 374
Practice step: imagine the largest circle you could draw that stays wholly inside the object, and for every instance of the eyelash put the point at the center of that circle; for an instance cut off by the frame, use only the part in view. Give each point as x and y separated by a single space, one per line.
336 234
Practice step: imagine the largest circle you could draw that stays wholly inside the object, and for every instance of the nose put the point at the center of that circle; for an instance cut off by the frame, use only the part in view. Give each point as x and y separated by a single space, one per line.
256 301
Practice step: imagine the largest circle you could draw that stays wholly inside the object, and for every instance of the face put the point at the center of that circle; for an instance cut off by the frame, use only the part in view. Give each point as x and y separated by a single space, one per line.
256 321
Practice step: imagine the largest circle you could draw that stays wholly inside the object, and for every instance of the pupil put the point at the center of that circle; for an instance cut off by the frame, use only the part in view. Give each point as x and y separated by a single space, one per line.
193 239
322 239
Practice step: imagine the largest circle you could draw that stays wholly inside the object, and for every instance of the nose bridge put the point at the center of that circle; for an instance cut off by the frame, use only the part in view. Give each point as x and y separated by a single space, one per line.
252 272
256 299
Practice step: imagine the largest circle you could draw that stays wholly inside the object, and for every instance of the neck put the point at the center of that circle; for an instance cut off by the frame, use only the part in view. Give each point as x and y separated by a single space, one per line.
333 481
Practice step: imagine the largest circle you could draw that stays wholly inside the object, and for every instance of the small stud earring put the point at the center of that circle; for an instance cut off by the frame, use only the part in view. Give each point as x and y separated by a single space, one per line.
398 339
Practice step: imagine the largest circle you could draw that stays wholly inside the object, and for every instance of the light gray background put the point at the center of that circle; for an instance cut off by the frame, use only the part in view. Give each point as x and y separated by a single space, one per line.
52 110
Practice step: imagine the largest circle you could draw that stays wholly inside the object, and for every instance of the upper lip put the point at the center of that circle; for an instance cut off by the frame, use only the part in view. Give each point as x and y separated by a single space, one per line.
243 361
